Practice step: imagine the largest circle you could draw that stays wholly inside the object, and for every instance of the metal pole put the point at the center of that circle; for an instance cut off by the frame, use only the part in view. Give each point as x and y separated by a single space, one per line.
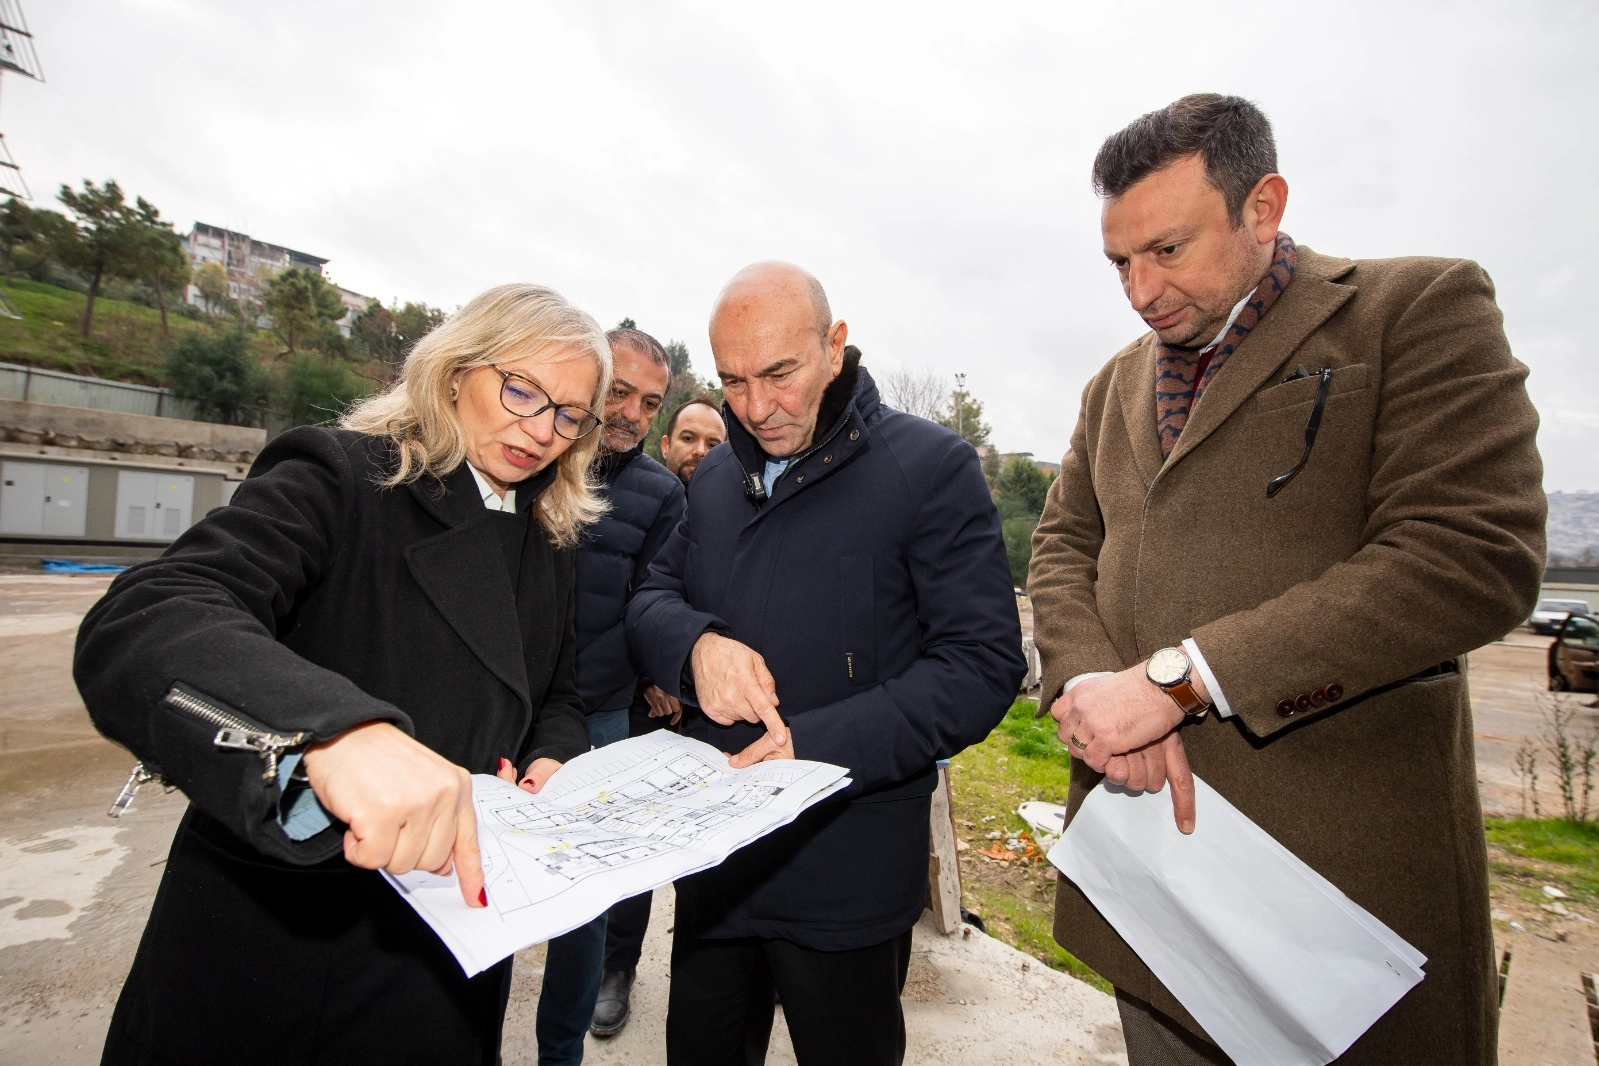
960 405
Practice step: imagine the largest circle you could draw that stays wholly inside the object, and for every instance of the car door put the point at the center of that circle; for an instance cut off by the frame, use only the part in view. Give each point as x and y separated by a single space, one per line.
1577 653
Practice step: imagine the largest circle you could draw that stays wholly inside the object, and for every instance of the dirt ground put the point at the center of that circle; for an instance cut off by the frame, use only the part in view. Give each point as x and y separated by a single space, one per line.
1509 705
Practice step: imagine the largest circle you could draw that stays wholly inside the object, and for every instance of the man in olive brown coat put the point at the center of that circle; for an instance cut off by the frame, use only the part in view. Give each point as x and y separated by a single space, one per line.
1299 501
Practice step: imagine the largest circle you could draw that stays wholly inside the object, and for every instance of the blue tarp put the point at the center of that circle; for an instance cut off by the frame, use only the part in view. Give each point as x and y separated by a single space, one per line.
67 566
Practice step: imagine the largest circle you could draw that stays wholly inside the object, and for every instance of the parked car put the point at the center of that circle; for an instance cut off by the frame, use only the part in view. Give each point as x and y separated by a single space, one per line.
1574 656
1550 613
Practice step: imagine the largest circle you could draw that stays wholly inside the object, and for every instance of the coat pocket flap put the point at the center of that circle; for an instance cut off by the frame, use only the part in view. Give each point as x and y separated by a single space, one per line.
1349 378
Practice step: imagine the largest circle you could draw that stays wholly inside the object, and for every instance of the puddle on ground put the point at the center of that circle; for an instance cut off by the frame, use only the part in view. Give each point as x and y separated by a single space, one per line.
48 879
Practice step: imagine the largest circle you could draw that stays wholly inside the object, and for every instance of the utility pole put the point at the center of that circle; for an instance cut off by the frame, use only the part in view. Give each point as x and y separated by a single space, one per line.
18 57
960 405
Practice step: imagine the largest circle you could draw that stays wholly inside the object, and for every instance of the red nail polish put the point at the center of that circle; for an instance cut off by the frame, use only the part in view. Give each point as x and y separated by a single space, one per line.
504 763
483 897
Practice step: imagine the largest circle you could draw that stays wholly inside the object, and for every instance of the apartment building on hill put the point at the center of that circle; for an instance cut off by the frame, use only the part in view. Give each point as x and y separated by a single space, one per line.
251 265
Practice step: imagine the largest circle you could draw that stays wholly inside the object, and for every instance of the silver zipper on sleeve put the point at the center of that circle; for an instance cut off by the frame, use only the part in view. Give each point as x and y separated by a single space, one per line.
124 800
234 733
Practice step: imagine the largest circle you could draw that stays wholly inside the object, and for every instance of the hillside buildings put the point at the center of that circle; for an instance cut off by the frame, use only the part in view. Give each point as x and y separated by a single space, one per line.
251 265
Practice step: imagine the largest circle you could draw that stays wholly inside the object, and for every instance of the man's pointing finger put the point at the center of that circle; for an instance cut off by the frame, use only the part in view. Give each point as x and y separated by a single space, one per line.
775 727
1182 781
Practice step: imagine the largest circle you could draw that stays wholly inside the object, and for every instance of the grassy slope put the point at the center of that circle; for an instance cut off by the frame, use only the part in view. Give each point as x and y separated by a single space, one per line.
1525 855
1020 761
126 344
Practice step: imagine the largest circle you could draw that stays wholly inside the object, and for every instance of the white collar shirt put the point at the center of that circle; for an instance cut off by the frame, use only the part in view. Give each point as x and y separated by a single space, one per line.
492 499
1238 309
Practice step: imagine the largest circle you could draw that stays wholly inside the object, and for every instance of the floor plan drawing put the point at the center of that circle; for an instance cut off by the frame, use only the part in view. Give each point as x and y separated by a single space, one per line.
610 824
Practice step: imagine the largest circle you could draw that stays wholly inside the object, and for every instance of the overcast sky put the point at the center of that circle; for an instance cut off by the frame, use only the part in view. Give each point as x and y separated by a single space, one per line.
929 162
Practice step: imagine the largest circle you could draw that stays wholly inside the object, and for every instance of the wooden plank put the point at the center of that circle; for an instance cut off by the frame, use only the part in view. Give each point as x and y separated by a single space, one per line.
943 865
1544 1020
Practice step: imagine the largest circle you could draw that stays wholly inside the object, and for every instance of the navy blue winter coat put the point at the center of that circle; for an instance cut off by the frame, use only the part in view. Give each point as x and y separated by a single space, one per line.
613 559
875 585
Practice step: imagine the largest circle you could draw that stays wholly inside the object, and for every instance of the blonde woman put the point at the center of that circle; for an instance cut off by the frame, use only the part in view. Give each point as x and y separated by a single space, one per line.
382 610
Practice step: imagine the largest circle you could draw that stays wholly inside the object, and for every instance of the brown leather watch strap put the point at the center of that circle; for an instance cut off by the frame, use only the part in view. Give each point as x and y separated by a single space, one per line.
1187 699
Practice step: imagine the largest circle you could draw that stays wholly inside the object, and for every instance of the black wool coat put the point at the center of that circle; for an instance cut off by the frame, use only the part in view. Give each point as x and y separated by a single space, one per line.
314 602
874 583
613 559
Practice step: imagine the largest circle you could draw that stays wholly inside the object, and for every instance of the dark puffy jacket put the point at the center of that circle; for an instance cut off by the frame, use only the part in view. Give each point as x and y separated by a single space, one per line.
875 585
613 560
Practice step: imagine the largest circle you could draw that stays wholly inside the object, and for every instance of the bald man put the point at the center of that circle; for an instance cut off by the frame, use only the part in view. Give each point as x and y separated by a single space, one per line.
839 592
695 428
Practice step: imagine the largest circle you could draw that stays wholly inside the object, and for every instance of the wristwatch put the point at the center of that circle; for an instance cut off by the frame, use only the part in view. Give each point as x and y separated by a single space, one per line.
1171 669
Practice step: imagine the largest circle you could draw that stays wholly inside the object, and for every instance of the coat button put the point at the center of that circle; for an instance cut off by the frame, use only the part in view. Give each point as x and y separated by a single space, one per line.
827 458
1318 697
1303 702
1285 708
1335 692
854 434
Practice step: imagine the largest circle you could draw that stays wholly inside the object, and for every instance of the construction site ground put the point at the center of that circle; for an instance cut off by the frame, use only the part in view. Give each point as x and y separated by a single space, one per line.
75 888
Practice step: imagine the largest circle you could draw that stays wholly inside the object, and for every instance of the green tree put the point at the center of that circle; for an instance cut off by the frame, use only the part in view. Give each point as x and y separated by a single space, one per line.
374 334
1019 493
313 389
160 260
1021 487
104 242
414 321
212 281
387 334
29 237
677 352
304 307
1018 534
627 323
965 416
218 374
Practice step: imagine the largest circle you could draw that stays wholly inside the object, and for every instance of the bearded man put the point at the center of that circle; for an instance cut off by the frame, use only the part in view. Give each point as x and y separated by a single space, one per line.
695 428
613 559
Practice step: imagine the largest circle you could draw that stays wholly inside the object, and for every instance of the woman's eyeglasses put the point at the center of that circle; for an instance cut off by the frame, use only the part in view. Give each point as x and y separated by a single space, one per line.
525 399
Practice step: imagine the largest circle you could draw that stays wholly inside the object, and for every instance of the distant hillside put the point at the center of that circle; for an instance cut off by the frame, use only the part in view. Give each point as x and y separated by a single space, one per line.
1574 528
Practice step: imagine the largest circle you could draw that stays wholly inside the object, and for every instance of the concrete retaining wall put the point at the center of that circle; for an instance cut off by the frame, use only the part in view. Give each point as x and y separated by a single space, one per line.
131 434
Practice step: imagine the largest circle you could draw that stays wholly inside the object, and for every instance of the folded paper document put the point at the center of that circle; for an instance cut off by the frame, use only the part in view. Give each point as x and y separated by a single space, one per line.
1277 965
610 824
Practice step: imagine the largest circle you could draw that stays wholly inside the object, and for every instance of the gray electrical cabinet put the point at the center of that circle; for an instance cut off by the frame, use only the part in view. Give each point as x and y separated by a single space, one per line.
43 499
153 506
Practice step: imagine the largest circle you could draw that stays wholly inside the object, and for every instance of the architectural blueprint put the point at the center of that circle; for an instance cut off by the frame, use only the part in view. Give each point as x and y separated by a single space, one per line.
610 824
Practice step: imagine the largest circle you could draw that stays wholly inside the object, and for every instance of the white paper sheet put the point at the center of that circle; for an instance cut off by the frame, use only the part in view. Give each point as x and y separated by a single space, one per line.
1277 965
610 824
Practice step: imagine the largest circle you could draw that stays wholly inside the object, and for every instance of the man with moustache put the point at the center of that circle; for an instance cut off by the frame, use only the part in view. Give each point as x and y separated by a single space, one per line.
694 429
1298 502
839 591
613 560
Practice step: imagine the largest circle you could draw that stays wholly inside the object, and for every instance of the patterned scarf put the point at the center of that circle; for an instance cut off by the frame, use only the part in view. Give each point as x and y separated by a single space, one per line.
1176 368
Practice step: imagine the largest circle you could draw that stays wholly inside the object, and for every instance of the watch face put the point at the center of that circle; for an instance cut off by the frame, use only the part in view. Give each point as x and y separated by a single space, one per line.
1167 666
